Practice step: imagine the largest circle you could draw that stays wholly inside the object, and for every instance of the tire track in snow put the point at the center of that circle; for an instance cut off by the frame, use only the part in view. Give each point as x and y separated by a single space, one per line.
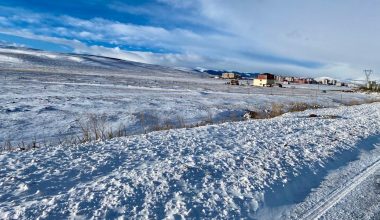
323 206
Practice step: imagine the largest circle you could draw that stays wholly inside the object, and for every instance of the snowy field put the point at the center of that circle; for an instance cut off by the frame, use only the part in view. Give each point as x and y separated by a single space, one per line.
227 171
43 95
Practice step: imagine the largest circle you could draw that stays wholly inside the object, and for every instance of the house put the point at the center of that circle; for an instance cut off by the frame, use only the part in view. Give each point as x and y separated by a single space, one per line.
289 79
301 81
371 85
325 81
310 81
340 84
230 76
279 78
265 79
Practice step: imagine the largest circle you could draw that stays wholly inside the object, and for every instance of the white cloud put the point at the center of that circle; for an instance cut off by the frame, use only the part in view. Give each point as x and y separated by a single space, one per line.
4 21
250 35
179 3
138 56
341 34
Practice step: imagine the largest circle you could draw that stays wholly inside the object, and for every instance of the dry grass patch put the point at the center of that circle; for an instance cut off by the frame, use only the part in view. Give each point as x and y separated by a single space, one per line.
276 110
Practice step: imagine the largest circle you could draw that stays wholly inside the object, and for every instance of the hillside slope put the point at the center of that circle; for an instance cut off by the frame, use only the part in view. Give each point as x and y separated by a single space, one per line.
26 59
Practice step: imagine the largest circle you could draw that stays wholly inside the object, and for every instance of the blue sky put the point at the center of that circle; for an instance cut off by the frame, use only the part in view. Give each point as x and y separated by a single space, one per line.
309 38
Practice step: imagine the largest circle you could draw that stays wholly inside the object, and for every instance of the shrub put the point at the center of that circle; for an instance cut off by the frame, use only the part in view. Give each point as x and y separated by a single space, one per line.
181 121
298 106
352 102
94 127
276 110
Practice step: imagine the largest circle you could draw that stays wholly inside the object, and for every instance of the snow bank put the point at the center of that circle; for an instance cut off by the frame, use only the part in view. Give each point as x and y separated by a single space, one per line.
218 171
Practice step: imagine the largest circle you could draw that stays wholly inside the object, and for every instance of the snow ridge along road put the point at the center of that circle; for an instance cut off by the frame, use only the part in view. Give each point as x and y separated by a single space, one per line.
320 209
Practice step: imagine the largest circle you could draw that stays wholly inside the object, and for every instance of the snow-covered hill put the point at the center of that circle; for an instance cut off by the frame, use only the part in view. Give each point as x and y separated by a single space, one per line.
222 171
319 79
32 59
44 94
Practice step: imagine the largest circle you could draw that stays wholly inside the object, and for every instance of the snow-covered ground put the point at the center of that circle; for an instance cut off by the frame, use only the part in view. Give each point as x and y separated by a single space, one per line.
227 171
43 94
317 87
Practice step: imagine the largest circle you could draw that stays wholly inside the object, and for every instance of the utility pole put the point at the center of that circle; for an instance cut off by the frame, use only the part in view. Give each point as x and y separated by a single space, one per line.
367 74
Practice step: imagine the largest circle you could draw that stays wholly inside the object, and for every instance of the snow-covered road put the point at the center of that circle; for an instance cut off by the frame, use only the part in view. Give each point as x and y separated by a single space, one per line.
217 171
323 206
346 189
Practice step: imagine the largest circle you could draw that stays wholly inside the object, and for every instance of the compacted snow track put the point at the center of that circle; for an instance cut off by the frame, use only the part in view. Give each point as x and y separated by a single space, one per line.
321 208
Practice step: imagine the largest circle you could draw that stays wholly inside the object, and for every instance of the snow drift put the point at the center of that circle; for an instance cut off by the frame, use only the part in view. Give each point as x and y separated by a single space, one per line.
217 171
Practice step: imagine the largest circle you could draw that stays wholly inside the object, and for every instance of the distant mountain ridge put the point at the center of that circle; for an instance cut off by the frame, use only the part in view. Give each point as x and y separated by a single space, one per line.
220 72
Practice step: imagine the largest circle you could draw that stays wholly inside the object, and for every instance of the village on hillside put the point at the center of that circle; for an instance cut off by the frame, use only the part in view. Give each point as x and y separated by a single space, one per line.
272 80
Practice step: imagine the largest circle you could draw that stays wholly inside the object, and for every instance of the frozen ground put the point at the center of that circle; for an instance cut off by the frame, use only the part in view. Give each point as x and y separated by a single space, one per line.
227 171
43 94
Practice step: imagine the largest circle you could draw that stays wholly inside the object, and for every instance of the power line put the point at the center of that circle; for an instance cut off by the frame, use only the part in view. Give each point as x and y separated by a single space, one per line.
367 74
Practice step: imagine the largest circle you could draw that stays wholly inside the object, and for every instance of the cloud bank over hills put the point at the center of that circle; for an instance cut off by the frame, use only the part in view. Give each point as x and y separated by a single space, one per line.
311 38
